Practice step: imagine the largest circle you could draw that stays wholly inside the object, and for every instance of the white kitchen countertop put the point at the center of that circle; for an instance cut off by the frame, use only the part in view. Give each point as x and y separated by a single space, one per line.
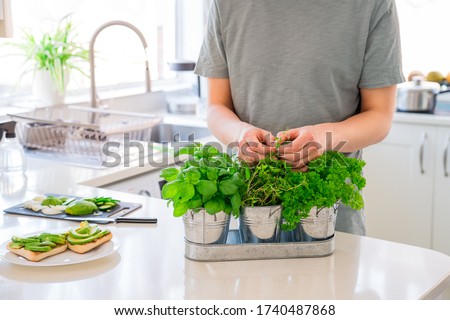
438 119
150 262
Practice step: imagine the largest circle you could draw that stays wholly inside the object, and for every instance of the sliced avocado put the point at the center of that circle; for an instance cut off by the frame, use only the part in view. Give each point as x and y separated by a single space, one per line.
48 243
51 201
24 240
56 238
37 248
81 207
16 245
74 233
84 230
75 241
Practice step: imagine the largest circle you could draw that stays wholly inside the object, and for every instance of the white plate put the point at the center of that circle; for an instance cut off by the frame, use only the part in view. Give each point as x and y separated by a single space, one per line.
66 258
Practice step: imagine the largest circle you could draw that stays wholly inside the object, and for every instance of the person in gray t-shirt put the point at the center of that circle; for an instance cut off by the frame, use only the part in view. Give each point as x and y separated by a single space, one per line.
303 71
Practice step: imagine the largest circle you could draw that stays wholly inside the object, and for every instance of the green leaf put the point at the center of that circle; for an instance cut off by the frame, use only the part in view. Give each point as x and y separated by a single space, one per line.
187 191
212 174
192 175
179 209
228 209
206 188
171 190
196 202
238 179
169 174
214 205
211 151
236 204
189 150
227 187
223 172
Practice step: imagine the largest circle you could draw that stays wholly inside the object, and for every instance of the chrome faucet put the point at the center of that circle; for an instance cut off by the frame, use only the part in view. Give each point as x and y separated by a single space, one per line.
92 64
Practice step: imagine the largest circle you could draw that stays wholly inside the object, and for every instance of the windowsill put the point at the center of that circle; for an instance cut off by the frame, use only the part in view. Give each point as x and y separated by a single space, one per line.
26 103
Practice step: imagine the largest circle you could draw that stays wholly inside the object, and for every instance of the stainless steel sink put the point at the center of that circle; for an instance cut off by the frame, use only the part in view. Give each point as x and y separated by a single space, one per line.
165 133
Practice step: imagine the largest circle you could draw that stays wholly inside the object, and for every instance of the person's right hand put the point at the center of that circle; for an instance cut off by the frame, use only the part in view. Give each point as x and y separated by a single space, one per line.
255 144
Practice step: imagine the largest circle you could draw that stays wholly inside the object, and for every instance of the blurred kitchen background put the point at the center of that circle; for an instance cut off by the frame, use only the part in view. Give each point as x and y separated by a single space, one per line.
406 199
174 31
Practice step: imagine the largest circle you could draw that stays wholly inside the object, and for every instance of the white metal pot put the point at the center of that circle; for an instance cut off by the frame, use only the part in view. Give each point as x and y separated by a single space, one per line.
260 224
320 224
204 228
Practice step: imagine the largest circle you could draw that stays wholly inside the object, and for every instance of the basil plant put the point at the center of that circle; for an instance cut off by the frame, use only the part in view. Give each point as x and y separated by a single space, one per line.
209 179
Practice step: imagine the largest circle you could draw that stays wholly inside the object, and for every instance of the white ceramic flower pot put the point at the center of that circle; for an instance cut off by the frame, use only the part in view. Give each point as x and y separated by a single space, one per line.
45 91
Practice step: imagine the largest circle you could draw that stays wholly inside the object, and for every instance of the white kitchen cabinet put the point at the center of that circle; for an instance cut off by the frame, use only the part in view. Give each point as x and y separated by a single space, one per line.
400 179
441 218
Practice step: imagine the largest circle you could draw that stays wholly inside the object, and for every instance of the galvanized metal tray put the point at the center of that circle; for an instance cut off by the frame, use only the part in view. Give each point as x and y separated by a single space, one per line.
235 250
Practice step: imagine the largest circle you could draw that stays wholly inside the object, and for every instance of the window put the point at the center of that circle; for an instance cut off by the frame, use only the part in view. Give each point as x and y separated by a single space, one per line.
423 27
119 58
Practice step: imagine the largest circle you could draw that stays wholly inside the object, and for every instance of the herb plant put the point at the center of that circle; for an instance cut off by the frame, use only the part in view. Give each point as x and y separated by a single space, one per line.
209 179
57 52
330 178
265 182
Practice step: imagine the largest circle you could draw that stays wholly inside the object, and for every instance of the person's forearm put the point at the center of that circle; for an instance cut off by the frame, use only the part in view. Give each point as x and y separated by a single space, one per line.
225 125
363 129
357 132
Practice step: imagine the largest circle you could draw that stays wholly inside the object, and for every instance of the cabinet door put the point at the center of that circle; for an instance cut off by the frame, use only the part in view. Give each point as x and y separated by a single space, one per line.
441 218
399 191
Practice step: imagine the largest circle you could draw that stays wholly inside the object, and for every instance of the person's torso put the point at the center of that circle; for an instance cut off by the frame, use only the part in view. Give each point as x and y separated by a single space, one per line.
295 62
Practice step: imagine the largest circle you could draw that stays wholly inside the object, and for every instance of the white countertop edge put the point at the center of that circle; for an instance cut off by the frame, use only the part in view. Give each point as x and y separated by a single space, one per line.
422 118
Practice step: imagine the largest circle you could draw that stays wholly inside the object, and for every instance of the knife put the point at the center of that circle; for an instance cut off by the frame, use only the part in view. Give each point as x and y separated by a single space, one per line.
113 220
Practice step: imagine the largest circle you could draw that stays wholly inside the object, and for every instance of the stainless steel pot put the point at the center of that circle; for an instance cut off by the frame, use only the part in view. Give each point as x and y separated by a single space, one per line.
418 96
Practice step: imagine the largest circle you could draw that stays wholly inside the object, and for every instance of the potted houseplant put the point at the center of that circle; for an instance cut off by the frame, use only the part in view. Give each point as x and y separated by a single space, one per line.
310 206
305 198
52 56
260 216
205 191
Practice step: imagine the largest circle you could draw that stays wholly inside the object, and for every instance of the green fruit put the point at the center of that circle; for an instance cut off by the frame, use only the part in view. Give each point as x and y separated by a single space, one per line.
77 234
51 201
81 207
16 245
74 241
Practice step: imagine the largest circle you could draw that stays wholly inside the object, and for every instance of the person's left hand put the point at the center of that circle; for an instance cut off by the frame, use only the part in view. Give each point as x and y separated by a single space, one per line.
299 146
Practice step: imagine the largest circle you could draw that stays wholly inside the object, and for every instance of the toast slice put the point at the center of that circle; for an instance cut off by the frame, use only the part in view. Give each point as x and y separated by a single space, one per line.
83 248
35 256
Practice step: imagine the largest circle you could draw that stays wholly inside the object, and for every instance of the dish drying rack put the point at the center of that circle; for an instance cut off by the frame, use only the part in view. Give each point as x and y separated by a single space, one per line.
69 130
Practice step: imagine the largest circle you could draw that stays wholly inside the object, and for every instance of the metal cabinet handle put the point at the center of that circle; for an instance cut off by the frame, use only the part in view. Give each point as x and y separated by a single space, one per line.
447 145
422 146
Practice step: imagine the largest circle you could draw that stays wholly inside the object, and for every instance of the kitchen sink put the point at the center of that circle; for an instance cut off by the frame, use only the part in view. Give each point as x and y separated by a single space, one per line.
166 133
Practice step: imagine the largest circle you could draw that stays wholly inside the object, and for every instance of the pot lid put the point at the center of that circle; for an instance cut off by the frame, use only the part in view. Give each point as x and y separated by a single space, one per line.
419 84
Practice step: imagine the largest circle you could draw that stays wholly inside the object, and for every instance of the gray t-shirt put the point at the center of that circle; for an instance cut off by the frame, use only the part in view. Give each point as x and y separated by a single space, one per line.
300 62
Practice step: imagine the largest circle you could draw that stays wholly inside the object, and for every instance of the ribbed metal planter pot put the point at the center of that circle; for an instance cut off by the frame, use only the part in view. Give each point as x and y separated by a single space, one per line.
320 225
204 228
260 224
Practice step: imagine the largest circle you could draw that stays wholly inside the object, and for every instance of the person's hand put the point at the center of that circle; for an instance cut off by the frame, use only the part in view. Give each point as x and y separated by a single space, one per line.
255 144
299 146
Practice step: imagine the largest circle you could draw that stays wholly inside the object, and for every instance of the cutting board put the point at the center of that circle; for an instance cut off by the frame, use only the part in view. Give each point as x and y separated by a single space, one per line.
121 209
